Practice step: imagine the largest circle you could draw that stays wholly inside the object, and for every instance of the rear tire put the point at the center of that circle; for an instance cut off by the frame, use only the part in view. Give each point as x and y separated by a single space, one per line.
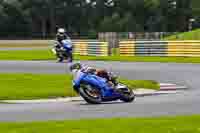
83 90
59 56
70 57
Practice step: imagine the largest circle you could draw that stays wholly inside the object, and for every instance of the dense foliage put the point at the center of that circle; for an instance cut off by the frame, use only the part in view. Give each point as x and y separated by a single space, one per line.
41 17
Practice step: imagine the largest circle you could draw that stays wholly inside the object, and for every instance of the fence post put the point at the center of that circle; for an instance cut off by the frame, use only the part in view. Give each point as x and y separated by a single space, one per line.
112 39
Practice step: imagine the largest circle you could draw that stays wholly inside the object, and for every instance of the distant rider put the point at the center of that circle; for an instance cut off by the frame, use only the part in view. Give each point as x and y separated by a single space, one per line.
60 36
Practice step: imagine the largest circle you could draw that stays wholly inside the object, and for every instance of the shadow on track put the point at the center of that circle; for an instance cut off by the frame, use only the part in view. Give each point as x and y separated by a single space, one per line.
104 103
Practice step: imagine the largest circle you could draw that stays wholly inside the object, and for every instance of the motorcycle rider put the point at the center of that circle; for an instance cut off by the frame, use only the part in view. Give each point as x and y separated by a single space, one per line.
60 36
110 78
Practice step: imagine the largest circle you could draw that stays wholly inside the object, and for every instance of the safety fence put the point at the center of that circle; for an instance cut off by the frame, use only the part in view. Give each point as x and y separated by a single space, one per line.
159 48
91 48
126 47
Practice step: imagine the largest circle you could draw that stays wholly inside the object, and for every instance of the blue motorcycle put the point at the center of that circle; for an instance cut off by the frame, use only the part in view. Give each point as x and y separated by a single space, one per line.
63 51
95 90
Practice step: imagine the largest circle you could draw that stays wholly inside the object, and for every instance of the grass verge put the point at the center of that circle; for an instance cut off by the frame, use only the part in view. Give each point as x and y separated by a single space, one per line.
178 124
27 55
47 55
192 35
23 45
35 86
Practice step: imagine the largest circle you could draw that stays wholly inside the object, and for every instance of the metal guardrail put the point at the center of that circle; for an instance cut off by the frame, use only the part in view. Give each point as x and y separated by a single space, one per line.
91 48
126 47
160 48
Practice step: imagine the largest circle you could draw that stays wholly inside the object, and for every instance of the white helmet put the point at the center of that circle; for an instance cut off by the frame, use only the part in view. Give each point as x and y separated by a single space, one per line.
61 35
61 30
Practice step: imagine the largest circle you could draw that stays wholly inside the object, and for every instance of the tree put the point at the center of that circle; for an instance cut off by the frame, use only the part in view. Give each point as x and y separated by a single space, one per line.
11 12
41 17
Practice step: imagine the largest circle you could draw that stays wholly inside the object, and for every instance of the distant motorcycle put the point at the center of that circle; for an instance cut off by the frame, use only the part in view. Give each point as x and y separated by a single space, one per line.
95 90
63 51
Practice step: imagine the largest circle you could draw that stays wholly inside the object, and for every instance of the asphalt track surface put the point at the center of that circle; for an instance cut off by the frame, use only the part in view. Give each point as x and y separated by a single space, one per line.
185 103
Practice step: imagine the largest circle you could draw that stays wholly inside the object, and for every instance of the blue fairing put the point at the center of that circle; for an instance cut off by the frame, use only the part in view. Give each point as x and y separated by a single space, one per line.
67 45
96 81
78 79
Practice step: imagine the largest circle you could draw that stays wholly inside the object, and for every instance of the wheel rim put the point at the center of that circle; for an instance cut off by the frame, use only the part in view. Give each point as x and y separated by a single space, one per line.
93 92
127 93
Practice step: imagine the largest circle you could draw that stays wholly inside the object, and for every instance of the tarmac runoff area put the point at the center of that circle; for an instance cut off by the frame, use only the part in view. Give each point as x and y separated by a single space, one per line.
178 102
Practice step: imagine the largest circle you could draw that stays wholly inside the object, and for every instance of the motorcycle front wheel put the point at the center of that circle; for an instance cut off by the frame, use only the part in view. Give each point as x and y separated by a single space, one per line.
127 95
90 94
70 57
59 56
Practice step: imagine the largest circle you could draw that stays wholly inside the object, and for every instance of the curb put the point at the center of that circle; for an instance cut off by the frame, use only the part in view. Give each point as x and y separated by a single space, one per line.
158 93
165 88
73 99
170 87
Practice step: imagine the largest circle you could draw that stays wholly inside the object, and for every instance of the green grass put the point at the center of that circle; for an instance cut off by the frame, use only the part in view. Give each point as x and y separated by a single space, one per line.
27 55
141 84
35 86
193 35
195 4
47 55
115 52
179 124
36 45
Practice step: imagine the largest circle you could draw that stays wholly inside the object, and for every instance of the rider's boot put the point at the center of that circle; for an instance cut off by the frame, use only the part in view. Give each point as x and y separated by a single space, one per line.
114 80
60 60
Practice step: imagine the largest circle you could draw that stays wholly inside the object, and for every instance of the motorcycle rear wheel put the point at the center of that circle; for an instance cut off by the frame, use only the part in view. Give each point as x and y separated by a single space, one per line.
90 94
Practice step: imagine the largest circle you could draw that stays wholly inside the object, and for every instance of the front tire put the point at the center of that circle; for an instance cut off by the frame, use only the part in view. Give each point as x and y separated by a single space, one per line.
127 96
59 56
70 57
84 91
